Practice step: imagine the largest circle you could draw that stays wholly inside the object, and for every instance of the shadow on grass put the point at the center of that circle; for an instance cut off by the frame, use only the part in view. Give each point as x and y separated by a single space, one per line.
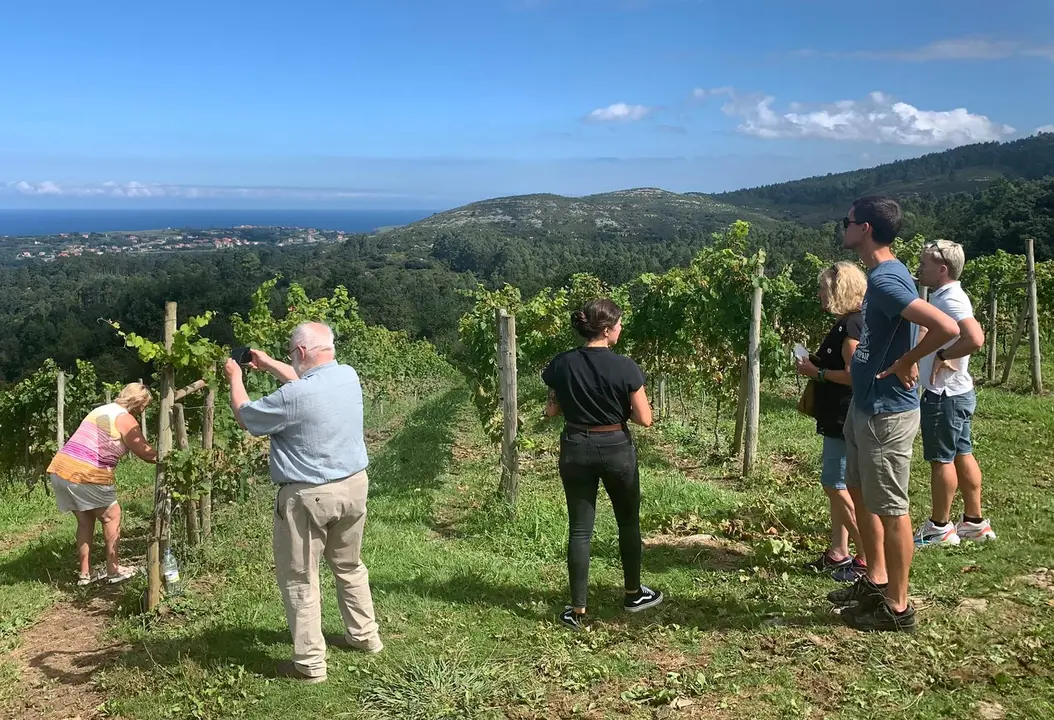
605 603
415 458
52 558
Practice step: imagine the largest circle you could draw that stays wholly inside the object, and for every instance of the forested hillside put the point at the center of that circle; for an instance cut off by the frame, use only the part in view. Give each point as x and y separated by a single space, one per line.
968 169
412 278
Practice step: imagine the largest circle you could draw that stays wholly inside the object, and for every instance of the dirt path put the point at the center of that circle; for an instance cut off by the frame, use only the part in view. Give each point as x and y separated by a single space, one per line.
57 658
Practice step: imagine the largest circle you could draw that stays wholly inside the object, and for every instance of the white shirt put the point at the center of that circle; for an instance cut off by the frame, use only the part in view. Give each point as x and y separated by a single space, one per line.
951 300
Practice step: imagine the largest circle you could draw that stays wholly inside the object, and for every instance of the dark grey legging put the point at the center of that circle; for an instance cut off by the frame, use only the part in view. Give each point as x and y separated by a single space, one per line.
586 459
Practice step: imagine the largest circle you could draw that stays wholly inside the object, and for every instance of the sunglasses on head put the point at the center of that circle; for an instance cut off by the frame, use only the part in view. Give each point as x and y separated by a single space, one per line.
846 222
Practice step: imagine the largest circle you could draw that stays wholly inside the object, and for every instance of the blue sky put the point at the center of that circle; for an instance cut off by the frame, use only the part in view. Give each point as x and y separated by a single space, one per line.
429 104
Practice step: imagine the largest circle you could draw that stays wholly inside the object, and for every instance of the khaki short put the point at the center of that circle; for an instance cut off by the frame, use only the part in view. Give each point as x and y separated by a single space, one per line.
878 458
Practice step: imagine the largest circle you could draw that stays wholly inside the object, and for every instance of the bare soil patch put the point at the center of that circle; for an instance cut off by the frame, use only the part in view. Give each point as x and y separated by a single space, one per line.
57 659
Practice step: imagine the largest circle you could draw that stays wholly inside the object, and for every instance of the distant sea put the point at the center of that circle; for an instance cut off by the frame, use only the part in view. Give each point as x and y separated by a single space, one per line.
48 222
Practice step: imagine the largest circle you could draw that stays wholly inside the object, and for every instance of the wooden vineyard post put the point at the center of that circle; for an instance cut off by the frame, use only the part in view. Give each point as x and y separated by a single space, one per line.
510 458
107 396
162 506
142 419
993 334
1018 334
190 504
60 409
206 444
663 405
752 411
1033 310
741 407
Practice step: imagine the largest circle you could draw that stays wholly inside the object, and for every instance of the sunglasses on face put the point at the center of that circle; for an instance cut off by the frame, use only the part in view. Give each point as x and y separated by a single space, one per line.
846 222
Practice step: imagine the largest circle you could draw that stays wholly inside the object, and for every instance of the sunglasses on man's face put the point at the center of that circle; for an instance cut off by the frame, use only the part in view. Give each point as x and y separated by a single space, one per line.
846 222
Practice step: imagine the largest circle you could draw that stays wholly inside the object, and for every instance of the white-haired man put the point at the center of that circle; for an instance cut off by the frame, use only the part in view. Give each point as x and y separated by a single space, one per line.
948 405
318 460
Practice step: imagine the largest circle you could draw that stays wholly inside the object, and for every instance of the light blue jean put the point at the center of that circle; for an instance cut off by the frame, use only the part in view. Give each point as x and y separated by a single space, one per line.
832 473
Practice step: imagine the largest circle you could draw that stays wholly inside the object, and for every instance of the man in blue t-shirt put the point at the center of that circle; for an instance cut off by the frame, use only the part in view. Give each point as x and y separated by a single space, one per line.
884 417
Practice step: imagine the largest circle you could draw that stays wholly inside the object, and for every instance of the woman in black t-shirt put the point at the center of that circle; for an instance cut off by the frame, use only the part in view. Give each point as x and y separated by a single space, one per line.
598 392
842 288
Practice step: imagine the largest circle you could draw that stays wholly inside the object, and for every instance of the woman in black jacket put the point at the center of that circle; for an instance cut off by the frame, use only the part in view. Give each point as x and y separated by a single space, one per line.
598 392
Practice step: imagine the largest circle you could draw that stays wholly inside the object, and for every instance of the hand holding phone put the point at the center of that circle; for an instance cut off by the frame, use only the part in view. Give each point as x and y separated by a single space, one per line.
242 355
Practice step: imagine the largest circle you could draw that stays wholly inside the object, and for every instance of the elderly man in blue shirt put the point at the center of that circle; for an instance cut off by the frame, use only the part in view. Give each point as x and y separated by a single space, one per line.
318 460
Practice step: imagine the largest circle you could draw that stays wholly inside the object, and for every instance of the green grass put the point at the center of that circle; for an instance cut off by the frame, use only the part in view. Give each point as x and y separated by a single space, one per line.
467 592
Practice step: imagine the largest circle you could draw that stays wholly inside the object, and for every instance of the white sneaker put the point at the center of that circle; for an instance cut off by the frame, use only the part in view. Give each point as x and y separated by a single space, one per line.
929 535
975 532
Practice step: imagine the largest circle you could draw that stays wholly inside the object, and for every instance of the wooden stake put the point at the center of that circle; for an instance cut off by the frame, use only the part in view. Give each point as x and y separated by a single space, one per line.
741 408
993 334
1033 311
190 505
60 409
142 419
1018 334
162 505
753 394
206 443
510 458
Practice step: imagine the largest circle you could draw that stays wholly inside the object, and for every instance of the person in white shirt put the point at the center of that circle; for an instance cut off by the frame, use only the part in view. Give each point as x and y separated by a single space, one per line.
948 404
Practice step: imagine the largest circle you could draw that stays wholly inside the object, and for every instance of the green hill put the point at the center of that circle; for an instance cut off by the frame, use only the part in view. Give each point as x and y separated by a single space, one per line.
642 213
968 169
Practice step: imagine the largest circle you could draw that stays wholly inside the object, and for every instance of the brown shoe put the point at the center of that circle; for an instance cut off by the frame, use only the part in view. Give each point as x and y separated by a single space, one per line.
372 646
287 669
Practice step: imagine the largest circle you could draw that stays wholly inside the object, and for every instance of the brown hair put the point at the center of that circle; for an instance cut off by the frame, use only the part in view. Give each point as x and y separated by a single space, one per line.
595 317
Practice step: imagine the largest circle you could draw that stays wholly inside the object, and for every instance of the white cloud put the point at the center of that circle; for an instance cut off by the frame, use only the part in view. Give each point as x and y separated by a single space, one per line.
878 118
620 112
137 190
1045 129
962 48
1044 51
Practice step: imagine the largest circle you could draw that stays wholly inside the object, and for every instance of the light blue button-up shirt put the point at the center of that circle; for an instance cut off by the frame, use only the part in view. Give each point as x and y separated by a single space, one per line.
315 426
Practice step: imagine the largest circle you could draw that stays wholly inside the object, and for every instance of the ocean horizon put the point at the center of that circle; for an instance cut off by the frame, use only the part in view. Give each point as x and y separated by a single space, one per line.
50 222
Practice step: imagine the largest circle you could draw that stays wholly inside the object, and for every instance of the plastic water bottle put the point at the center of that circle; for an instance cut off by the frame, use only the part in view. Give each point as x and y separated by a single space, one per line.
170 570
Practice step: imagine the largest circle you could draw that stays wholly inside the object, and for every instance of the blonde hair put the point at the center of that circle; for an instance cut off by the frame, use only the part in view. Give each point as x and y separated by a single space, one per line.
845 285
134 397
949 254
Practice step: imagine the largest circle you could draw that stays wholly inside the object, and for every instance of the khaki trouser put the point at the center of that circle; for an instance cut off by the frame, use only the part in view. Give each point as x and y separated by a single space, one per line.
311 522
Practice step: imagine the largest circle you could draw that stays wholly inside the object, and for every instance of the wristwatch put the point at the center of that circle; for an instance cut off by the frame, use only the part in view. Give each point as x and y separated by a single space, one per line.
820 373
940 354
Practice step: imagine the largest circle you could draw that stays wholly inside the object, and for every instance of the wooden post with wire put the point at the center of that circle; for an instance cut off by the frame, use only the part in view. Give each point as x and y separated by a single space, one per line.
993 334
752 410
190 504
1033 312
207 432
142 419
741 408
1022 320
162 503
510 458
60 409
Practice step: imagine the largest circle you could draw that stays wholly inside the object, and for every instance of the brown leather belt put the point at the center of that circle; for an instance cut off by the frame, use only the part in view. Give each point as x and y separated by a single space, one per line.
595 428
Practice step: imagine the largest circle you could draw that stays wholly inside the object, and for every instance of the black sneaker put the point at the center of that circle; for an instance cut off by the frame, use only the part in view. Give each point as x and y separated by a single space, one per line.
864 594
882 618
643 599
573 620
824 565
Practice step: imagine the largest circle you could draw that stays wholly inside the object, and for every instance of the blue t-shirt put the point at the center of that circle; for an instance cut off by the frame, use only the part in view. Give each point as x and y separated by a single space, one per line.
885 337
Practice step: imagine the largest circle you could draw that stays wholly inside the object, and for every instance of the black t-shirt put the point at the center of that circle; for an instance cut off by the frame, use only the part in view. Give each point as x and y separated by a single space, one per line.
593 385
832 399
